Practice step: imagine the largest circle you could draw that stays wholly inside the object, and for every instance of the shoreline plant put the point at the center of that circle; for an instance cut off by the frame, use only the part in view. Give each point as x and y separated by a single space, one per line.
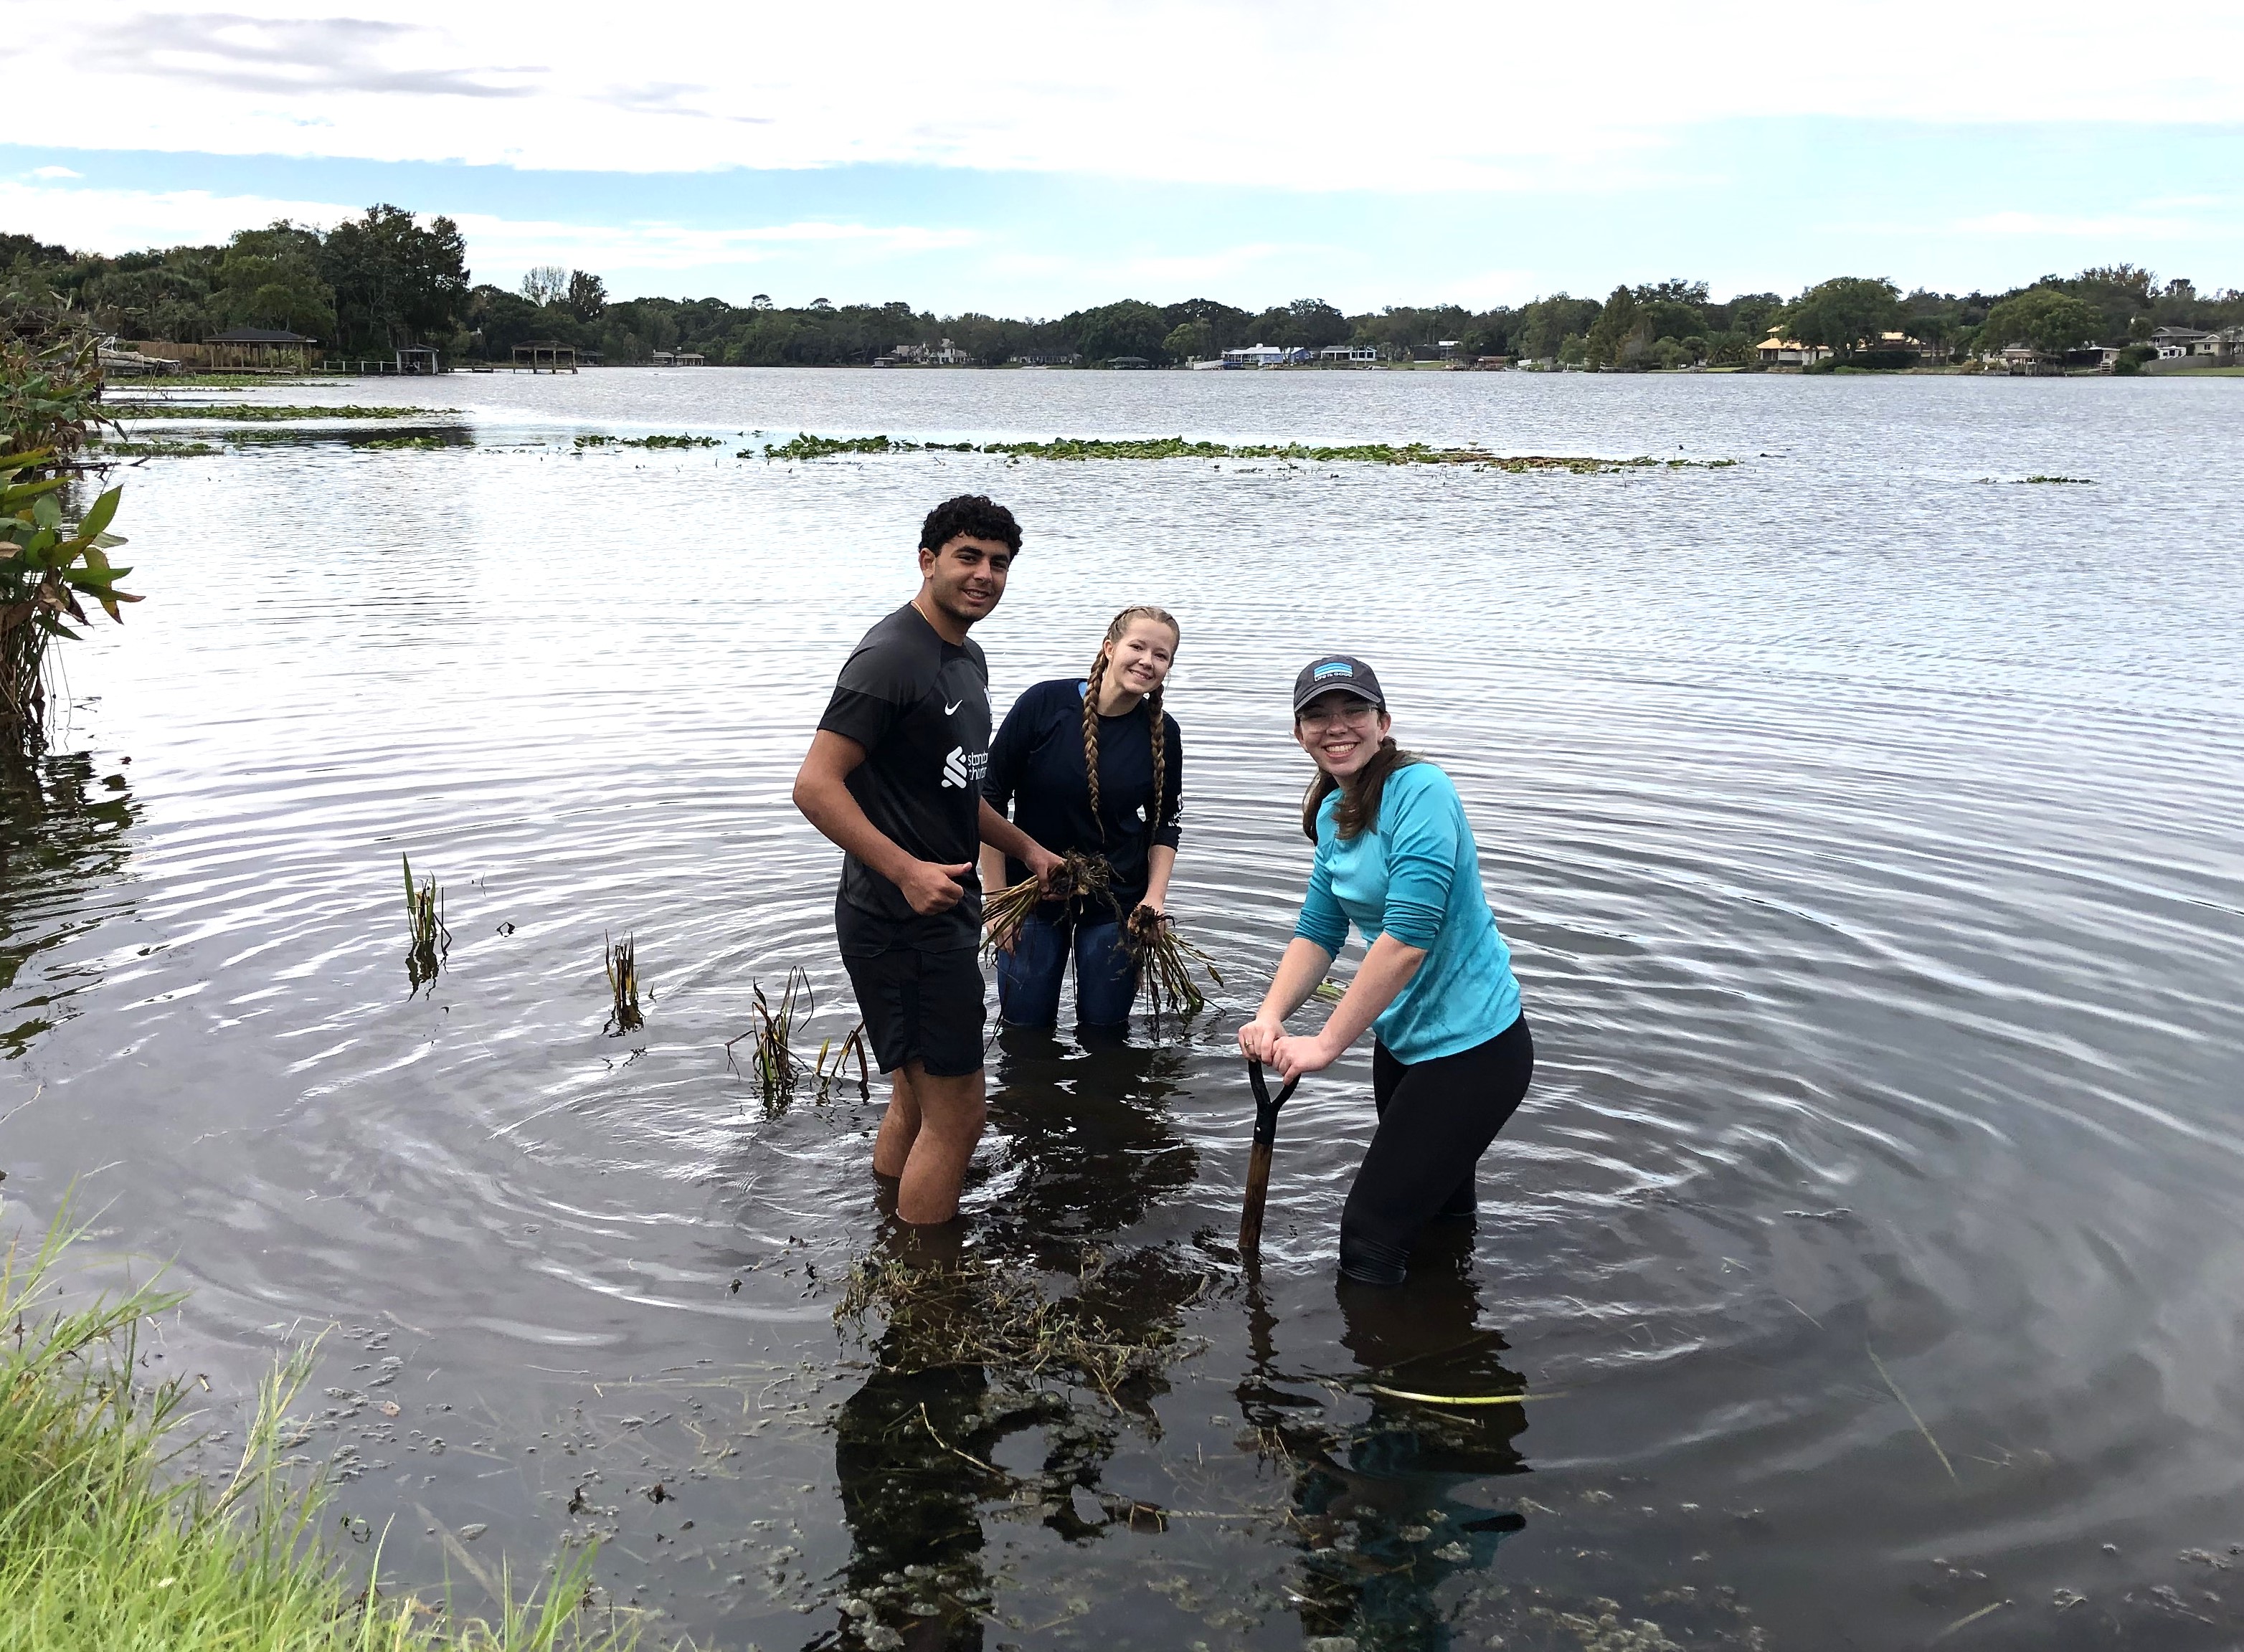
109 1545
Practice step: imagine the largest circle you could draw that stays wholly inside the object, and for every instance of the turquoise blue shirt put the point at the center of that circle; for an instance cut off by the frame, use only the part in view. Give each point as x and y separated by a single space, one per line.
1416 876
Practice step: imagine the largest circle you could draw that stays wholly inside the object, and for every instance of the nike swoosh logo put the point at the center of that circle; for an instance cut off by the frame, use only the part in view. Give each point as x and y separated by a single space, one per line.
953 706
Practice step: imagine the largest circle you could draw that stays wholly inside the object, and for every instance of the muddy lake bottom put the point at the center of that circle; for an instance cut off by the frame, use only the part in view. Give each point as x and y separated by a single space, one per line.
1859 1273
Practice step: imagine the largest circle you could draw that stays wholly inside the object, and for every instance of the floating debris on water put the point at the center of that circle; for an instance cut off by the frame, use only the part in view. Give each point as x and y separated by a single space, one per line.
2070 482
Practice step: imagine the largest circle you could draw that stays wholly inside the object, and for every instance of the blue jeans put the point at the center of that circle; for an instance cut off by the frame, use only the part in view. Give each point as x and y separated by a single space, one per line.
1029 976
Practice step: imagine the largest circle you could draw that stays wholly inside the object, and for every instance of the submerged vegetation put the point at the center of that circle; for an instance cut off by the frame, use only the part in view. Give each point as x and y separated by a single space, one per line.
964 1312
418 441
431 942
159 449
1414 452
259 413
107 1548
647 441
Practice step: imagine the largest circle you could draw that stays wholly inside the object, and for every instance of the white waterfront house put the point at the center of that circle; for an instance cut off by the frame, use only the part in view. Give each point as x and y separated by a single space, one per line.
1262 355
1362 354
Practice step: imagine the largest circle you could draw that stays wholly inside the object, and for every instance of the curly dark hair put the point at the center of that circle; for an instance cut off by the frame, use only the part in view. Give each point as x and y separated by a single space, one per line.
974 515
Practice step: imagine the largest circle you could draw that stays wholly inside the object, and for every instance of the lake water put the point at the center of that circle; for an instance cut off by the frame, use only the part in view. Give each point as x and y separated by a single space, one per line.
1863 820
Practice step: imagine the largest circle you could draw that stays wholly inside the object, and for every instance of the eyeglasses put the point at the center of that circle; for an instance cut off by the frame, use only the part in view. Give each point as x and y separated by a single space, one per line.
1346 713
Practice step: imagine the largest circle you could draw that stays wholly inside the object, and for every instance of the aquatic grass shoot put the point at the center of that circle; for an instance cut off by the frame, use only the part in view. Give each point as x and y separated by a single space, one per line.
431 942
778 1071
108 1546
1165 961
621 959
853 1043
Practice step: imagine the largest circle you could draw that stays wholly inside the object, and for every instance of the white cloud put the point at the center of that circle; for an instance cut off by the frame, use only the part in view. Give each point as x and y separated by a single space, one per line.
499 248
54 172
1232 90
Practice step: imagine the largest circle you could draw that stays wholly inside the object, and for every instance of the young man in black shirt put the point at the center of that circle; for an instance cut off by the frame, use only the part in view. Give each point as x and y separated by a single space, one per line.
894 776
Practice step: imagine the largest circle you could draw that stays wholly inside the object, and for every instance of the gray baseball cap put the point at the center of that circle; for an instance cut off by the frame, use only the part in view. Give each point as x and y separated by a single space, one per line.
1330 671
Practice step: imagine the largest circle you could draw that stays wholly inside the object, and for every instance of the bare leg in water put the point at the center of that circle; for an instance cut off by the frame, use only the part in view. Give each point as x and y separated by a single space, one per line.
926 1138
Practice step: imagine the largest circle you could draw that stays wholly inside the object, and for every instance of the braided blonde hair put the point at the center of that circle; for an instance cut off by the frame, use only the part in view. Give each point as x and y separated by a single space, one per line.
1115 633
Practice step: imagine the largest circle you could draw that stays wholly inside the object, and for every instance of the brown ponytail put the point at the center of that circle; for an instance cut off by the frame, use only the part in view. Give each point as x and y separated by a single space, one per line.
1358 799
1115 632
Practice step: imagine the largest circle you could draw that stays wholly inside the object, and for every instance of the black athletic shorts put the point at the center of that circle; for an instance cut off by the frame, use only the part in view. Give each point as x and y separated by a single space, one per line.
923 1007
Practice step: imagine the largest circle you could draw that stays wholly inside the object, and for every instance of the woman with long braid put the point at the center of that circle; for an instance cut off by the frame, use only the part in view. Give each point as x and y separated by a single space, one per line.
1090 764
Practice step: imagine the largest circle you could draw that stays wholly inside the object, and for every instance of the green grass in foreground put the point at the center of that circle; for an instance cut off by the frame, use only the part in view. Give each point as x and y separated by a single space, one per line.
810 447
250 412
103 1548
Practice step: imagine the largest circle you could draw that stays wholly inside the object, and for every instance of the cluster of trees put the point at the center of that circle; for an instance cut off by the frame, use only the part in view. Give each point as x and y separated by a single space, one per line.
384 279
364 287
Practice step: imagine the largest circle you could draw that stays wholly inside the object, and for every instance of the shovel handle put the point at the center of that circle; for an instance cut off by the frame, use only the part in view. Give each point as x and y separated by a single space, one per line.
1258 1188
1258 1160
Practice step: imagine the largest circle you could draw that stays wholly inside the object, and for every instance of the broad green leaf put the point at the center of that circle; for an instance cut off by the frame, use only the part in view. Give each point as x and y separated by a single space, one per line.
98 518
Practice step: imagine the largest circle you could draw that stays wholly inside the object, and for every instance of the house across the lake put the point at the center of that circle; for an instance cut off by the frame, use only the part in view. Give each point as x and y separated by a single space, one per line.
1777 351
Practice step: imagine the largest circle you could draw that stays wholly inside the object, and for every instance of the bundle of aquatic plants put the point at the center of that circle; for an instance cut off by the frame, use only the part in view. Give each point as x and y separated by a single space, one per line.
1165 961
973 1310
107 1547
1086 877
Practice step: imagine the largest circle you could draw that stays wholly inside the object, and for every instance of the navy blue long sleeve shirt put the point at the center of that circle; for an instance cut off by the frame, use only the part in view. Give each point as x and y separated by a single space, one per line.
1036 773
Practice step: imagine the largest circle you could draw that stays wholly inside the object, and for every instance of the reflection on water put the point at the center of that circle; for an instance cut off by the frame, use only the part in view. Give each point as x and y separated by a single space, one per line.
63 844
1865 834
1386 1509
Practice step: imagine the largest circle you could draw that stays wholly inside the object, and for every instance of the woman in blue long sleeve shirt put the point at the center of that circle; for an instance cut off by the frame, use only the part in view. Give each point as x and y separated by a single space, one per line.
1452 1056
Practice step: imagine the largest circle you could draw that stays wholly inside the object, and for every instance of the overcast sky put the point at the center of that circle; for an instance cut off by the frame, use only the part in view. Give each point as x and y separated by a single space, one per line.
1033 158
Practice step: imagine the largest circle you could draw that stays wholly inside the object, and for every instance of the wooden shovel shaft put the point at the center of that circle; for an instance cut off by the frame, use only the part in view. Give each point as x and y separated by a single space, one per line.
1258 1188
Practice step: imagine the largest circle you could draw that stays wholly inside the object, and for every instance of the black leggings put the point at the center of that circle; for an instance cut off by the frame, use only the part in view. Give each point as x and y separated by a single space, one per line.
1434 1117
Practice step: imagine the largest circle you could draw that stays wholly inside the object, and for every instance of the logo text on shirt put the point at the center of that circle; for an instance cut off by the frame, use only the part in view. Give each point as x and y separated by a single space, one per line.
964 770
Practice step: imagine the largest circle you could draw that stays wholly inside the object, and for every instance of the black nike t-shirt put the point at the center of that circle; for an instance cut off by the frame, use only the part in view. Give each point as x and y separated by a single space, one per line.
920 706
